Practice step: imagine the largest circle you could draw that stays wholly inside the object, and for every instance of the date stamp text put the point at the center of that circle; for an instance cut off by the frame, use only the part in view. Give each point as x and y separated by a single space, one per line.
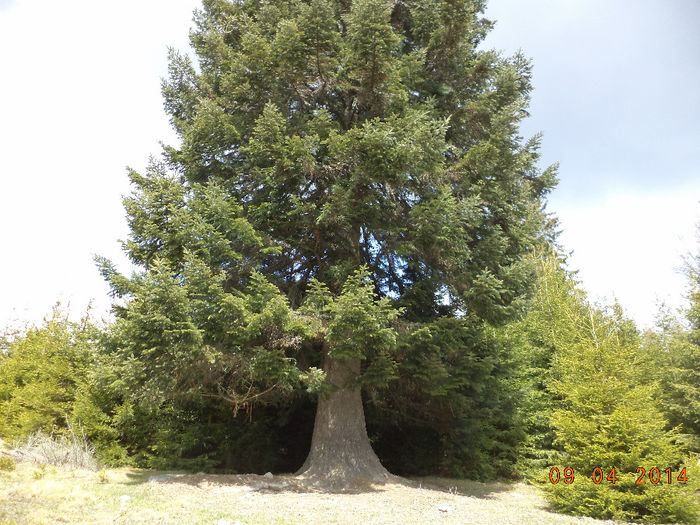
655 476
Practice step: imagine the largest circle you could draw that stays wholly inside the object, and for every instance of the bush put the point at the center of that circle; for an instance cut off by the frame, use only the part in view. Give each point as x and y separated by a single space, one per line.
42 370
7 464
606 412
625 500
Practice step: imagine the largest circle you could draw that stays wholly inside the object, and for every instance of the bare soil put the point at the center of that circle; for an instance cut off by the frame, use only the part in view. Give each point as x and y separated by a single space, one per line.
31 495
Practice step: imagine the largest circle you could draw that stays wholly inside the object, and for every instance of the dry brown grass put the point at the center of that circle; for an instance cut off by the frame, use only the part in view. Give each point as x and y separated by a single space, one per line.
69 451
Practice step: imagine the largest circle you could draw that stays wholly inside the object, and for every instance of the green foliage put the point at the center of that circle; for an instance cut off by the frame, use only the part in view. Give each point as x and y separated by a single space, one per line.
7 464
349 183
676 360
364 133
94 408
675 352
205 435
692 272
627 501
185 334
606 414
357 324
453 401
532 375
42 372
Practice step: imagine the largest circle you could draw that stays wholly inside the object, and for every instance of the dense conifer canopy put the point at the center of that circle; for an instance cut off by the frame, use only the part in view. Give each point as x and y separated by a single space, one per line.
350 183
365 132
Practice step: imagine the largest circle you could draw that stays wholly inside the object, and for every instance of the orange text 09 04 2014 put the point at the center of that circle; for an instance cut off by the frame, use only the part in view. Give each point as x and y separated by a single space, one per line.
655 476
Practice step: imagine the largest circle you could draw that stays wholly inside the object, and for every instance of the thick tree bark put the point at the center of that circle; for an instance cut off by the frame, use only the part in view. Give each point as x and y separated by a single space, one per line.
341 454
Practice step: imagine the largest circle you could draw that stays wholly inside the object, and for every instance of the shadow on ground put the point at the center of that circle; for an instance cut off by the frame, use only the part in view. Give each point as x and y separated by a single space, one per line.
269 484
463 487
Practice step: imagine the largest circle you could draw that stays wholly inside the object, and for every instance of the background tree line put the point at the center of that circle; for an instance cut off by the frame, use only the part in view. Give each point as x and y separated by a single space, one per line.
570 385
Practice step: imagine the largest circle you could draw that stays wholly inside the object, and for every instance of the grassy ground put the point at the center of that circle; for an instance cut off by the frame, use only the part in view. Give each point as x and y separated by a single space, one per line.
31 494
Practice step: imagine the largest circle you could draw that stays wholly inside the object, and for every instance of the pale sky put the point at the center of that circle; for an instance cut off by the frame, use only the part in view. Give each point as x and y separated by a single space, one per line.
616 95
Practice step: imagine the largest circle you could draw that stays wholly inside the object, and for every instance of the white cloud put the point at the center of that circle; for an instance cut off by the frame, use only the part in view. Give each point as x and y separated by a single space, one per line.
630 247
80 100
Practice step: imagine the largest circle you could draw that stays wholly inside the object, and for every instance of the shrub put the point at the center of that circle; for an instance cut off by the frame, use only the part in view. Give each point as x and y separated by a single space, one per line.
7 464
626 500
607 413
41 371
68 451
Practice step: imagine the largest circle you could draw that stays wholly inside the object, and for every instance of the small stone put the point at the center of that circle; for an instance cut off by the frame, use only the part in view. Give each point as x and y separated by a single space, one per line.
275 486
124 501
444 508
268 475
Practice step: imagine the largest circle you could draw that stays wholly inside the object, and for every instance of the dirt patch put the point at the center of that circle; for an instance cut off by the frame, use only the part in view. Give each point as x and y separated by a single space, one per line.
28 495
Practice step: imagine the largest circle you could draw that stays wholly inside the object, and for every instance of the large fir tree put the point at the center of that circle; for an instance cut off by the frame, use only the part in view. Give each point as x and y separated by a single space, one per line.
349 203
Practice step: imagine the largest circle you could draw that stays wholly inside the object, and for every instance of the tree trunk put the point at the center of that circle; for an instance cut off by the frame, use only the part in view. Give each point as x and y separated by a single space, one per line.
341 453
